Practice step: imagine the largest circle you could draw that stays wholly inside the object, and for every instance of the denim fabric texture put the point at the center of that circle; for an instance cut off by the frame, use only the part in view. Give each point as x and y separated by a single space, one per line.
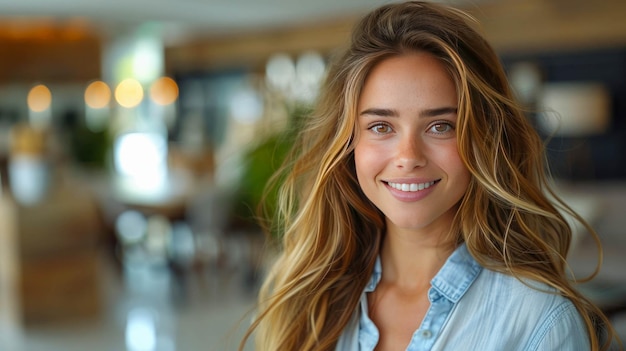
472 308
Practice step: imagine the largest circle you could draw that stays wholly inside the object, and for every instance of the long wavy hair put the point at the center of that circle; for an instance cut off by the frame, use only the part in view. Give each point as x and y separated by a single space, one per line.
330 233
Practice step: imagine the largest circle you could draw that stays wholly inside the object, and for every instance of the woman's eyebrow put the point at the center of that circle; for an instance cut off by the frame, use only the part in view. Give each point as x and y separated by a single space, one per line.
380 112
438 112
428 113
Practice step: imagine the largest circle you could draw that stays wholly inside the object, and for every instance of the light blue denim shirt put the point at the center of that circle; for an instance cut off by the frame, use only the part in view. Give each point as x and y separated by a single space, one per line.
472 308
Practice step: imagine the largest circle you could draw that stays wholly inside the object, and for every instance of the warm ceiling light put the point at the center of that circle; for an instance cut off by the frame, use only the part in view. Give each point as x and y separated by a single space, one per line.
39 98
129 93
164 91
97 95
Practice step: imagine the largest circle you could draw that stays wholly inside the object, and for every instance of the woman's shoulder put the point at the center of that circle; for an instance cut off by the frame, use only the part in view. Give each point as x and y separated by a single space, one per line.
517 312
498 284
525 298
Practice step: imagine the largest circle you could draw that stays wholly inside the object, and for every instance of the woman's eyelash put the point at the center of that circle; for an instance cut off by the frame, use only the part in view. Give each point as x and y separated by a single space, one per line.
375 127
437 124
436 127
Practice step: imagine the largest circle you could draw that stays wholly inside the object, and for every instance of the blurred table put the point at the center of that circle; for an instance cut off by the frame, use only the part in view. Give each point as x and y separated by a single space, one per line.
55 246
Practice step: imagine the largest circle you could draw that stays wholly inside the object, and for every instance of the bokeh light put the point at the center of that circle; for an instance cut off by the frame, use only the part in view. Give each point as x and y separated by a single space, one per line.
97 95
129 93
164 91
280 72
39 98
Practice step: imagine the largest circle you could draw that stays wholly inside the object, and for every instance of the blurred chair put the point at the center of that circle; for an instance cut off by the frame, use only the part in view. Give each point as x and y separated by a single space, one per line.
223 252
208 215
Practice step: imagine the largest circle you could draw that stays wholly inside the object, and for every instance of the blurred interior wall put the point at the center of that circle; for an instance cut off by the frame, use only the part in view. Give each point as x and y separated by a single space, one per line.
48 53
510 25
539 25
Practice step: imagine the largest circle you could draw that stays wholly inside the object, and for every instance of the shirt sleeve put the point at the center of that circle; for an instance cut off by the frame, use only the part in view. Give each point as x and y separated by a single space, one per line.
563 329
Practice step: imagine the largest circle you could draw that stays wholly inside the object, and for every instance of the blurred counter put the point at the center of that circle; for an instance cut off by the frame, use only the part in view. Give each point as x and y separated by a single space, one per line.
50 257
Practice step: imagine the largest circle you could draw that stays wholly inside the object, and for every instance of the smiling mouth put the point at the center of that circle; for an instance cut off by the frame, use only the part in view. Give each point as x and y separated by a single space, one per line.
412 187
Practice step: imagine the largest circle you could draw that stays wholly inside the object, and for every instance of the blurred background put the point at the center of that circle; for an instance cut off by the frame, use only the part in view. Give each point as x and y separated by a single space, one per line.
136 137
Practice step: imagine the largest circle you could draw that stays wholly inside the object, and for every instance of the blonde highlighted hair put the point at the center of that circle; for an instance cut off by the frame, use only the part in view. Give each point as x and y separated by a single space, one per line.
331 233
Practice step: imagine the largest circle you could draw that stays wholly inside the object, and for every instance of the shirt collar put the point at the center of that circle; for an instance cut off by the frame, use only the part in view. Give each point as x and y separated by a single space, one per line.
457 274
375 278
452 280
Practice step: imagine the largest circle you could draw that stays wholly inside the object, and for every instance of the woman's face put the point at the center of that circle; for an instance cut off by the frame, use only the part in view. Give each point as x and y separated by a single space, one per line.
406 156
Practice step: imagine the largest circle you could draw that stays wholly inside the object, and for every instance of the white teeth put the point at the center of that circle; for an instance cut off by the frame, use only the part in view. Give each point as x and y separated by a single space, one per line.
411 187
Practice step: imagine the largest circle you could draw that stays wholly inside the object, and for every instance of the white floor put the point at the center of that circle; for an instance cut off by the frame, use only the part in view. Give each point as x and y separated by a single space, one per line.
144 313
149 316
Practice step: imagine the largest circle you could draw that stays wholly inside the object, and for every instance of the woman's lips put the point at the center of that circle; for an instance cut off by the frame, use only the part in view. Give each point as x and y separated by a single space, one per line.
411 191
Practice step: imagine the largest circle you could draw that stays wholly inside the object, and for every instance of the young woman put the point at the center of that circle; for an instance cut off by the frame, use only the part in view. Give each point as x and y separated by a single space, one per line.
415 212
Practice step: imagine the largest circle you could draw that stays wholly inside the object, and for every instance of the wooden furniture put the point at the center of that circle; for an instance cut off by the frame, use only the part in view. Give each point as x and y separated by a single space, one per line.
49 258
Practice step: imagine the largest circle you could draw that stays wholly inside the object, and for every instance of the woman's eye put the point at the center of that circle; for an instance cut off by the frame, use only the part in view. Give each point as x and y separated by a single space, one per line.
441 128
380 128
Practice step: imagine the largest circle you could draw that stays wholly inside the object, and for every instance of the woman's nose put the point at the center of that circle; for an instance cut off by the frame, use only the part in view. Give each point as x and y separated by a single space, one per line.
410 153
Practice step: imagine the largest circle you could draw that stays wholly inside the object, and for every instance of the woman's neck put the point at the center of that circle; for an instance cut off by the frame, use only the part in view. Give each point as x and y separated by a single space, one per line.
411 260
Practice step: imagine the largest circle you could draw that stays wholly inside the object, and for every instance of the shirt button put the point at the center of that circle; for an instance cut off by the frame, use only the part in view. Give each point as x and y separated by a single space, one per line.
427 334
